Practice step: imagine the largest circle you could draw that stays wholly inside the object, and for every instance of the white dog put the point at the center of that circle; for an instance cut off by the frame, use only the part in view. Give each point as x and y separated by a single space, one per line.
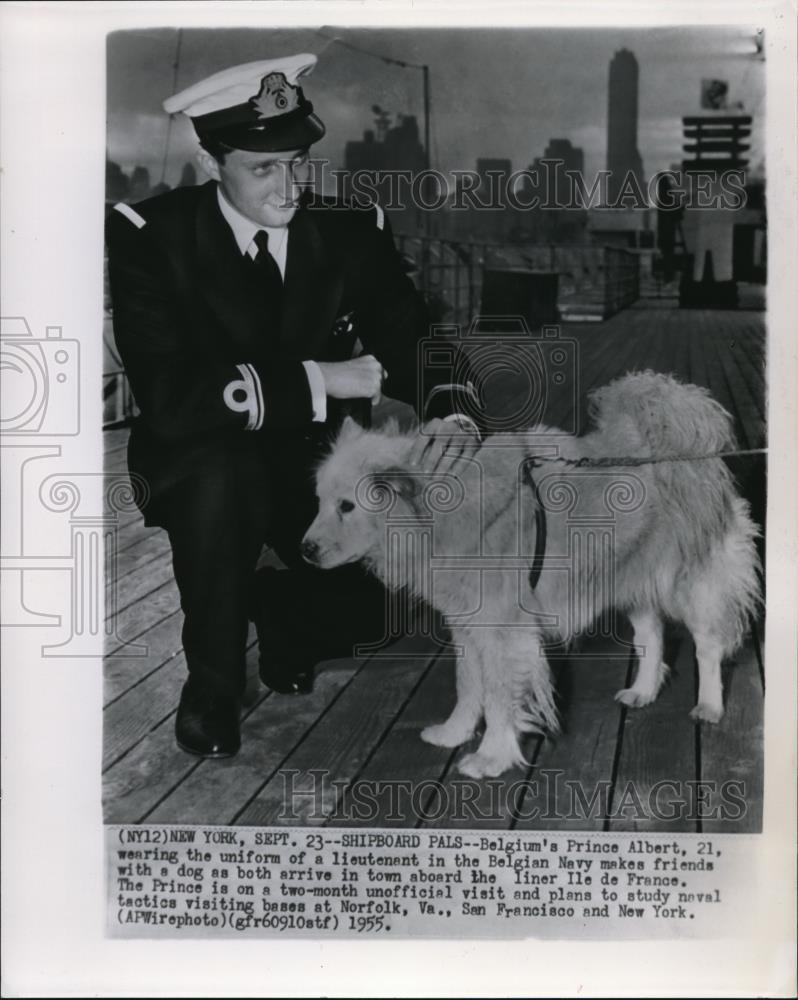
665 540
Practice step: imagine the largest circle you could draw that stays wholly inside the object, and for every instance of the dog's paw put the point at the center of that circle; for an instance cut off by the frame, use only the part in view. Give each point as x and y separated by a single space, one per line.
707 713
444 735
479 765
635 699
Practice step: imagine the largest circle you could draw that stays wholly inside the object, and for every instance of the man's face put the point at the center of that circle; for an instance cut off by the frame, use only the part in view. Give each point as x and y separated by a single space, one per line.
265 187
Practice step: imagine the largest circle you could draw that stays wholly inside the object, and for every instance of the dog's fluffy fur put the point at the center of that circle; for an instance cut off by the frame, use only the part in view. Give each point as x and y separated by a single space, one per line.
682 547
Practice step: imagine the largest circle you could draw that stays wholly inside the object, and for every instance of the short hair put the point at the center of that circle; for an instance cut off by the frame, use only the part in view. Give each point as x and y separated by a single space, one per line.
217 149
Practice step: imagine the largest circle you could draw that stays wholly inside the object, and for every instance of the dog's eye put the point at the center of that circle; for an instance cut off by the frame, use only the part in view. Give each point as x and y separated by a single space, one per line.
344 506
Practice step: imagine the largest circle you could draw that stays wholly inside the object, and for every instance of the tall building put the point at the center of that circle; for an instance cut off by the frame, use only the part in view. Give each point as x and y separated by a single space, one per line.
555 220
392 149
573 157
495 222
492 170
622 152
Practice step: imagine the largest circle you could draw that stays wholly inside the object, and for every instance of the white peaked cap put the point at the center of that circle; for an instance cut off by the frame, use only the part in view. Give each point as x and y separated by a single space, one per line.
236 85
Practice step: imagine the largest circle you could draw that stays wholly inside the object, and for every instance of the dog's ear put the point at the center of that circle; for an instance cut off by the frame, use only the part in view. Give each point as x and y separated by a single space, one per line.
399 481
350 429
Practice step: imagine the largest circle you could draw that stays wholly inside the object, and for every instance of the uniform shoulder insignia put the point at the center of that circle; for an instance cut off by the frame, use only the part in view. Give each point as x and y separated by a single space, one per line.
131 214
380 216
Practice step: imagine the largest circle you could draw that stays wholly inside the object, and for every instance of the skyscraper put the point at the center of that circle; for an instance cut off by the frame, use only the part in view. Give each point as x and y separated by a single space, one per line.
394 148
622 152
573 157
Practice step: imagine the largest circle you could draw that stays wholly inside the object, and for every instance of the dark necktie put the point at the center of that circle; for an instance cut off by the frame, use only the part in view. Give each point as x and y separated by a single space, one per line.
267 284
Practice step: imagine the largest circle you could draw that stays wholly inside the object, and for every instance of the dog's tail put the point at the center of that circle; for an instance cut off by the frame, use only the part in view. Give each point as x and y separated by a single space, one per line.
667 417
739 573
535 708
709 522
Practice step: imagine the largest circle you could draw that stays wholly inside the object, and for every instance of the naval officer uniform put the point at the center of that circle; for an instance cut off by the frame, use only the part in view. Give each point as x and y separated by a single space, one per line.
224 324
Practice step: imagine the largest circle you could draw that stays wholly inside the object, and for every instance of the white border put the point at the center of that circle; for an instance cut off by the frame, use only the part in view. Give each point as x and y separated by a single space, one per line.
53 142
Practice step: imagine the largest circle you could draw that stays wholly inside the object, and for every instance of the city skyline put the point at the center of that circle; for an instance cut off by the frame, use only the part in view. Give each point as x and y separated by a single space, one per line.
517 108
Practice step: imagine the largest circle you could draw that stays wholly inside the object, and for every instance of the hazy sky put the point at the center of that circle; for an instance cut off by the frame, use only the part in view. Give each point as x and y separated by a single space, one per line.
494 92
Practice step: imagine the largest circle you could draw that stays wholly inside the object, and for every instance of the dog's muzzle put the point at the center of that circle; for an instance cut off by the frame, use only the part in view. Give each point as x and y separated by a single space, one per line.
309 550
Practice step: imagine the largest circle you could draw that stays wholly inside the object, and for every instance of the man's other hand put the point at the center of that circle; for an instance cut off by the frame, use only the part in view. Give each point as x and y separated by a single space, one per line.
360 378
442 445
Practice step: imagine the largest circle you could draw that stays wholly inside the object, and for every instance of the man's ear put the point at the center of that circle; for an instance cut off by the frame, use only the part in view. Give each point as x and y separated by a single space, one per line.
208 164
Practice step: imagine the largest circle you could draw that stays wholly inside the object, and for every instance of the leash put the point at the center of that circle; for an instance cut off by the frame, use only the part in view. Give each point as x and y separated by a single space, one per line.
630 461
535 462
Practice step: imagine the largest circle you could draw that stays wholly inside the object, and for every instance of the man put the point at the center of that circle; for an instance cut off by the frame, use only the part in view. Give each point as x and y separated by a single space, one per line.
236 308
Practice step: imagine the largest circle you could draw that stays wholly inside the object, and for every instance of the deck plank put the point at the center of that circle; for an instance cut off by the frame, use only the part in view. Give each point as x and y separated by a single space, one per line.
161 643
138 618
585 750
142 708
617 355
733 750
143 580
131 531
750 362
343 739
749 471
153 763
681 354
716 378
659 745
659 356
115 461
143 550
747 412
403 756
698 361
489 803
214 791
115 438
133 534
750 347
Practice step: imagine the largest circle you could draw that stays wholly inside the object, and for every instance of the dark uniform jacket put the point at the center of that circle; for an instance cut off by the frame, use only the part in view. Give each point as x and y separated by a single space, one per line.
203 365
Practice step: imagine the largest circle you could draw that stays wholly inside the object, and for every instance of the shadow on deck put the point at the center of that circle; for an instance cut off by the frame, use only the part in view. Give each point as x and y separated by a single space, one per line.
350 753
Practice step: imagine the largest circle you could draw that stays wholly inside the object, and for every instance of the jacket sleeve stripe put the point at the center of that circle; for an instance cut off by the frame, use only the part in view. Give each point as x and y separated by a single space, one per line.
131 214
261 409
250 398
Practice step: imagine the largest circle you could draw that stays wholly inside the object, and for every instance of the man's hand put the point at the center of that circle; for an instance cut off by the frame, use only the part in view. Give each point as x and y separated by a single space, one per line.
442 445
360 378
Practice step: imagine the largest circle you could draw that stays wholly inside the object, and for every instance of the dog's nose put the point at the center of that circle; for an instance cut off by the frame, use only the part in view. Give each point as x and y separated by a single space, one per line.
309 550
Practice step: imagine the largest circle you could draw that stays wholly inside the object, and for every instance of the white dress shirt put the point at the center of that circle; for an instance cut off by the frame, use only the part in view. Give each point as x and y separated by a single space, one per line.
244 230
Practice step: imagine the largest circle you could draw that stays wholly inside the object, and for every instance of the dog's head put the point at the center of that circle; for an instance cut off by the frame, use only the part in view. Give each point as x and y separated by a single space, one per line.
363 478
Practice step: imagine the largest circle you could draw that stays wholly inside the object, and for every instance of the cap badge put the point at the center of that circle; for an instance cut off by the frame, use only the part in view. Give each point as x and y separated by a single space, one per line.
276 96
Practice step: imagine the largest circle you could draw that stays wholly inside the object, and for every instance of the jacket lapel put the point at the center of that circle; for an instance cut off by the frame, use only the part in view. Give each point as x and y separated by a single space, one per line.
224 285
312 290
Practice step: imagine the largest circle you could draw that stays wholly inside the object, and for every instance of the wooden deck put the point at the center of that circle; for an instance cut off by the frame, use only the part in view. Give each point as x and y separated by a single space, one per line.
362 722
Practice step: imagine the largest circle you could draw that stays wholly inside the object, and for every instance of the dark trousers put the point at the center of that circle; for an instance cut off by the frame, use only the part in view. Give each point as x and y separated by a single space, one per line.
218 520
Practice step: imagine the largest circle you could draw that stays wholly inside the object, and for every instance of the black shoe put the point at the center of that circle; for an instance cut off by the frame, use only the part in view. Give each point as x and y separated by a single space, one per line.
285 678
207 727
